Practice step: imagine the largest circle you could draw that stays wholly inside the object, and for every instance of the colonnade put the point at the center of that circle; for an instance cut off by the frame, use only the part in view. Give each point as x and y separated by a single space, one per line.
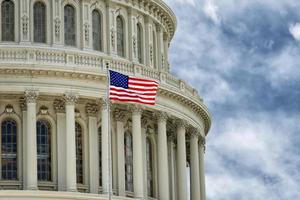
171 177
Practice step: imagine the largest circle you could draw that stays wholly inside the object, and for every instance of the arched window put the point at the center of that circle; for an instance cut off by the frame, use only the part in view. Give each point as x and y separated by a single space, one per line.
120 37
8 20
139 42
154 50
97 29
100 156
128 162
149 158
9 150
79 153
39 22
43 138
70 25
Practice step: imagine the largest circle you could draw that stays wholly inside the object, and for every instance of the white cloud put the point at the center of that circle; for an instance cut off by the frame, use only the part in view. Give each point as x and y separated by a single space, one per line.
253 152
295 30
191 2
211 11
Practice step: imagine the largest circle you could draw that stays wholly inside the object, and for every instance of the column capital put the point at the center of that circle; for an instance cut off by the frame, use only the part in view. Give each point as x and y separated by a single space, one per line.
194 133
91 109
59 106
105 103
161 116
119 115
31 95
135 109
202 143
181 123
70 97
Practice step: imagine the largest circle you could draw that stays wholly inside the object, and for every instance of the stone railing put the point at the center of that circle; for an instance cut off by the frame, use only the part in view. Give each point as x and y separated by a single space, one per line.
90 62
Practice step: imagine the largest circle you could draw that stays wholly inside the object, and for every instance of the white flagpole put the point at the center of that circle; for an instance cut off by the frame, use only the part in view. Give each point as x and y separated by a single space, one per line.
109 137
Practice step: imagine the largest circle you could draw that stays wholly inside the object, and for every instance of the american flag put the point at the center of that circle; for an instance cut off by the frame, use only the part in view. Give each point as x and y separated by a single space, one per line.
132 89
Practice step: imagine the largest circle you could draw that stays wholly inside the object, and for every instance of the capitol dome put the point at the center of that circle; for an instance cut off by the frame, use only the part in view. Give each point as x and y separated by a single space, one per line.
54 56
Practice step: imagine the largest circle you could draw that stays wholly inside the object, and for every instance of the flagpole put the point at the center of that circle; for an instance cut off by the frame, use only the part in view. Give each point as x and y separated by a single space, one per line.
109 136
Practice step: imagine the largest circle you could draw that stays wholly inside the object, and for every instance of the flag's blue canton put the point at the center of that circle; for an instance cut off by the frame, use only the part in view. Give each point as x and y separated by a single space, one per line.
118 79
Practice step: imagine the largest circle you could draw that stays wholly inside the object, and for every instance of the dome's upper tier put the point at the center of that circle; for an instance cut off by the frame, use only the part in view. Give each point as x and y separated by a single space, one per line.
136 30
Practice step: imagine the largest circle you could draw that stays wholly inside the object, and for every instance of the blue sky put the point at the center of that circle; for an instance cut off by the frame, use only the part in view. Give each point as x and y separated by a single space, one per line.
243 56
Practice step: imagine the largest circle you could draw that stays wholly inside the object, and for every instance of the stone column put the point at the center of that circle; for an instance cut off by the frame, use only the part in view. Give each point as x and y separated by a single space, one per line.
181 161
162 146
104 147
59 107
172 171
119 116
92 111
202 170
31 148
71 182
195 182
138 182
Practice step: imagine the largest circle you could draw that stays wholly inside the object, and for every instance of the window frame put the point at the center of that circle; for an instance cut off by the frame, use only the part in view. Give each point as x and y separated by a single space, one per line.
15 20
123 54
46 24
50 133
126 134
76 27
100 15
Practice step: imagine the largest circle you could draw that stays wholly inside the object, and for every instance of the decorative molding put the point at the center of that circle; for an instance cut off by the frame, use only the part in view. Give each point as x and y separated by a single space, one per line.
181 123
70 97
119 115
25 21
59 105
92 109
161 116
9 109
31 95
22 103
44 110
135 109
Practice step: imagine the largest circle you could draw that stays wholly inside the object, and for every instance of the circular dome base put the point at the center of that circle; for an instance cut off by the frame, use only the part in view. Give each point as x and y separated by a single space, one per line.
51 195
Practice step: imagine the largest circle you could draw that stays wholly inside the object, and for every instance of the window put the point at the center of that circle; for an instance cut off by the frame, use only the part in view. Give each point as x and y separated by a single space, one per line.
149 158
79 153
8 20
39 22
97 26
128 162
139 42
43 135
120 37
100 157
69 23
9 150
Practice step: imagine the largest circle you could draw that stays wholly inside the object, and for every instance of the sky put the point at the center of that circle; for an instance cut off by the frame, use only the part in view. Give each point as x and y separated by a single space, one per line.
243 56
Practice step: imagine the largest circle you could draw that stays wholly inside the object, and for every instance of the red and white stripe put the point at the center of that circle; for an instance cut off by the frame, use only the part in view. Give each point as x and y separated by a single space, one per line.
139 91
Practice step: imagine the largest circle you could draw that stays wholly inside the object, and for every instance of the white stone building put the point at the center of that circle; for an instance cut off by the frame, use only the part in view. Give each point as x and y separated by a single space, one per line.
53 60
